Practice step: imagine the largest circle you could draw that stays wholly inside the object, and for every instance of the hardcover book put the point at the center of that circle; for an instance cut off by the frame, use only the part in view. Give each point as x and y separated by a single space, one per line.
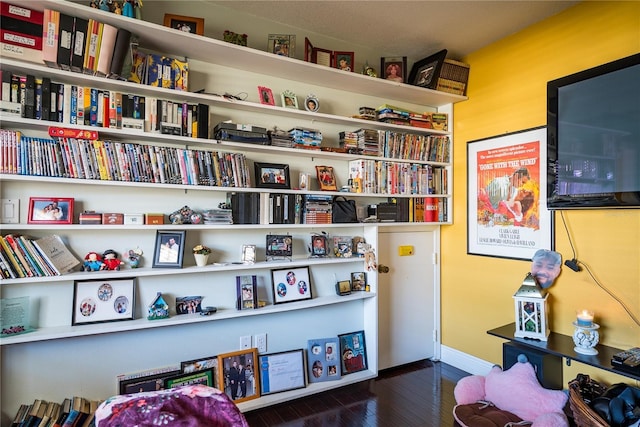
56 252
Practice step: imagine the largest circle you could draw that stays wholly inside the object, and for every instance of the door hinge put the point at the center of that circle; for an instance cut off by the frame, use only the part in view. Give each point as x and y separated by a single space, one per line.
435 335
434 257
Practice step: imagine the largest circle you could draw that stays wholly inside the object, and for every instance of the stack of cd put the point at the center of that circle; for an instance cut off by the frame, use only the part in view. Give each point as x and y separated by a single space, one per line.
306 138
280 138
217 216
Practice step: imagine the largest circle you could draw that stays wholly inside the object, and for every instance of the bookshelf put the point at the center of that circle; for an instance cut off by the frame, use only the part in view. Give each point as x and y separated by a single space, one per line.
87 358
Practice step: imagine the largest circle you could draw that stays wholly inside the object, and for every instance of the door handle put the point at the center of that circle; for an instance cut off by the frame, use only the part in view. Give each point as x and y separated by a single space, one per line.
383 268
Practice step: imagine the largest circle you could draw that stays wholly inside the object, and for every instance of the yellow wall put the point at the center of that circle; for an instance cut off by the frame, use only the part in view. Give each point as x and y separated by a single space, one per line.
507 93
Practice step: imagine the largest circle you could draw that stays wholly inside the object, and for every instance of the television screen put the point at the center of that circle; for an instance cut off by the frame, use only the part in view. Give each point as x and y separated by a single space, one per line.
593 137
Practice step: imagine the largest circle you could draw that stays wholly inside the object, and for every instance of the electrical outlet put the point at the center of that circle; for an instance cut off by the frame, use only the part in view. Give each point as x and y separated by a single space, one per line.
261 343
245 342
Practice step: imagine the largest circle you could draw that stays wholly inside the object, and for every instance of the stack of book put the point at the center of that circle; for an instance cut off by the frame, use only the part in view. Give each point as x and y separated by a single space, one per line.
350 142
72 412
317 209
395 115
306 138
23 257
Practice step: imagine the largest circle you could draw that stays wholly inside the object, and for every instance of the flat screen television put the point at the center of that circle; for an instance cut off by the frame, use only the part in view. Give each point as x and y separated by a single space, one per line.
593 137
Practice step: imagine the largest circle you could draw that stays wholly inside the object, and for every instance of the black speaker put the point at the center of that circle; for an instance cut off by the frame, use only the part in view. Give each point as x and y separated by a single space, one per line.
548 367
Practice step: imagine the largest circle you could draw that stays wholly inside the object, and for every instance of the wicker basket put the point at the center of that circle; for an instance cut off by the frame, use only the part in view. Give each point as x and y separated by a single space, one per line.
583 415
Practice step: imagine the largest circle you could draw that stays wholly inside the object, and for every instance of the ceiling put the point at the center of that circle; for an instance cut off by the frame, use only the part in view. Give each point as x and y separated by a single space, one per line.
415 29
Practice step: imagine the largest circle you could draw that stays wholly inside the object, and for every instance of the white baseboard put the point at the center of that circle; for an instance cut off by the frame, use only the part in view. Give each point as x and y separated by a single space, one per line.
464 361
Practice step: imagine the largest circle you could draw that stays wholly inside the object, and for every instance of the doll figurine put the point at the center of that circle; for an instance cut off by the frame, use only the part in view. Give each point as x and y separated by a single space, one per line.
93 262
127 8
110 260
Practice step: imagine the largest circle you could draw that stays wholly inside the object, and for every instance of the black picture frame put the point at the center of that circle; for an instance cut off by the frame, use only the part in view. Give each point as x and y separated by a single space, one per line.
279 245
103 300
272 175
195 365
359 281
150 382
166 255
353 352
291 284
319 246
246 292
282 371
425 72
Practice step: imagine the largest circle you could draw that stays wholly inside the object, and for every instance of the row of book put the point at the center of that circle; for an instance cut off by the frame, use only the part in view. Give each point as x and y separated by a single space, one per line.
71 412
120 161
387 177
422 209
276 208
428 148
22 257
42 99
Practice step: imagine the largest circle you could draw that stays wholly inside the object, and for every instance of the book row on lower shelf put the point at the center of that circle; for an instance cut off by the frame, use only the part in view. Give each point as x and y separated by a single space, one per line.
242 376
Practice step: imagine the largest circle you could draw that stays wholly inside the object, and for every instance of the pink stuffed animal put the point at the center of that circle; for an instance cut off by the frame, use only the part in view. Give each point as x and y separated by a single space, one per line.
516 391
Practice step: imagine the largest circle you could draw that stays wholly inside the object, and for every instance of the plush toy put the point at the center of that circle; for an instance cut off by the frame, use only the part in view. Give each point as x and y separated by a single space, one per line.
111 261
494 400
93 262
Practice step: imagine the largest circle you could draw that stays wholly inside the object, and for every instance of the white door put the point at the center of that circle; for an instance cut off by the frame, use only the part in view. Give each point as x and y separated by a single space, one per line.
407 303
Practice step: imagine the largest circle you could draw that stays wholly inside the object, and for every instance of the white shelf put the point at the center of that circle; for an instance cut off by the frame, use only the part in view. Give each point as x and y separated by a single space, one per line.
62 332
192 46
211 268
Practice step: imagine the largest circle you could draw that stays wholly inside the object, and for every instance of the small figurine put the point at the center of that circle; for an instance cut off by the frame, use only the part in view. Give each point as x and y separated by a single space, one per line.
134 256
104 5
127 9
117 9
110 260
94 4
158 309
370 259
93 262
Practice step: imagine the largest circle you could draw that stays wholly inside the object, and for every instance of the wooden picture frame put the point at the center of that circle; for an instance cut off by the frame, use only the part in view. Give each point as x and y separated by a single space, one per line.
505 218
425 72
282 371
394 68
266 96
344 61
169 249
353 352
282 44
187 24
272 175
291 284
229 380
317 55
203 377
50 210
103 300
359 281
326 178
289 99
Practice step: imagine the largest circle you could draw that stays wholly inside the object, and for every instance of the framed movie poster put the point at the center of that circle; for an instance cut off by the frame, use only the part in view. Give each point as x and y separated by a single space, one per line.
507 210
290 284
281 371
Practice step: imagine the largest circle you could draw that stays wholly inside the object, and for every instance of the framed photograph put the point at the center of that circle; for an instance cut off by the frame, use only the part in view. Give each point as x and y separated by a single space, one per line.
272 175
343 246
151 381
425 72
343 287
196 365
359 281
247 292
103 300
289 99
323 359
189 304
279 245
317 55
169 249
248 254
319 246
290 284
343 60
238 376
394 68
326 178
204 377
507 215
282 44
281 371
311 103
353 351
266 96
188 24
47 210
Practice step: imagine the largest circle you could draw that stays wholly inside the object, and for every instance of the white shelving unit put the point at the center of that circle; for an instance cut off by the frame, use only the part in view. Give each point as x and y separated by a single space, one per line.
66 360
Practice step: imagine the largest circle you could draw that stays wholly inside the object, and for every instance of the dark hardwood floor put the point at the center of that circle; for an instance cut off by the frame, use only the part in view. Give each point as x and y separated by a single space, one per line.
417 394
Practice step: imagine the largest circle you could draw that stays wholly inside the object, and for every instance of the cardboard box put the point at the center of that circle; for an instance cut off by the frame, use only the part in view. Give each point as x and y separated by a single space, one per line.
153 218
112 218
133 219
90 218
